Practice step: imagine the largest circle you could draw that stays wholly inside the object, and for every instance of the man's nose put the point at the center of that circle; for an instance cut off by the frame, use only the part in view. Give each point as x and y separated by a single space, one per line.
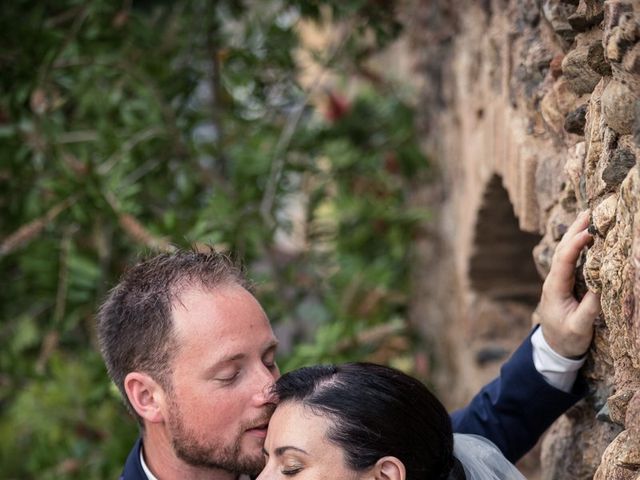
264 393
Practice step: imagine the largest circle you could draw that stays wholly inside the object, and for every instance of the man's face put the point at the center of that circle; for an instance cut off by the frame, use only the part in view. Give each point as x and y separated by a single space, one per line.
219 404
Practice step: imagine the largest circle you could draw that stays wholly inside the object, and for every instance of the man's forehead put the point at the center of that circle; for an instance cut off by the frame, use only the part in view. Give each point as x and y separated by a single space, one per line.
197 299
229 313
189 290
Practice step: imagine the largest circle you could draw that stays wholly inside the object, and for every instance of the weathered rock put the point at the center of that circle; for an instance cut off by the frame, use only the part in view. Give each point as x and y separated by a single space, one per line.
577 70
618 276
596 60
595 183
588 14
619 106
529 75
561 128
557 104
618 167
555 66
621 30
621 459
634 323
617 404
592 267
578 426
604 414
632 418
574 170
636 127
542 255
604 214
631 61
574 121
594 138
557 12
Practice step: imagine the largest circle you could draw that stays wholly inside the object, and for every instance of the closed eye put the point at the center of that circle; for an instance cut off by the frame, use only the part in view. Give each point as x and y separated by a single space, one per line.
229 378
291 471
269 357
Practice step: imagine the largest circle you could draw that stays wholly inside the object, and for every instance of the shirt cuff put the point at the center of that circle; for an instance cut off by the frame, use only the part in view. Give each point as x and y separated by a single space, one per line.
559 372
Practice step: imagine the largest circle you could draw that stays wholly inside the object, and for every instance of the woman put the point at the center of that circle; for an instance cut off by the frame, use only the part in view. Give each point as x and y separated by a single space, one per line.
362 421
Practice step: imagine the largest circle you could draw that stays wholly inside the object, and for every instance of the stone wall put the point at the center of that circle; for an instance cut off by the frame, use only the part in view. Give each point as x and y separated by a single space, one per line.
531 110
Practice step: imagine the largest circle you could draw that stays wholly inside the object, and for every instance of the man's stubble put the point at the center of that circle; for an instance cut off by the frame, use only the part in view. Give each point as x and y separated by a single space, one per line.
213 453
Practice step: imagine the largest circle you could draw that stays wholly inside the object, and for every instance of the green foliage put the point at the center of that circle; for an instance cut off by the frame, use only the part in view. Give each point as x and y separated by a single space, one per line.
126 130
361 226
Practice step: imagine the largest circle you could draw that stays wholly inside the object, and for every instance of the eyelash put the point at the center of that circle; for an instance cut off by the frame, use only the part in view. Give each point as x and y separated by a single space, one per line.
292 471
272 365
230 379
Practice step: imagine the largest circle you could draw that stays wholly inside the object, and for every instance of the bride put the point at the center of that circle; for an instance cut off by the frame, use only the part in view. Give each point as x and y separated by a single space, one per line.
361 421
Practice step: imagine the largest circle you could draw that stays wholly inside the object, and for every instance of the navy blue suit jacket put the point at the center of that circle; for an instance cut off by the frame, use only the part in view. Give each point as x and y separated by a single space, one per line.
133 468
515 409
512 411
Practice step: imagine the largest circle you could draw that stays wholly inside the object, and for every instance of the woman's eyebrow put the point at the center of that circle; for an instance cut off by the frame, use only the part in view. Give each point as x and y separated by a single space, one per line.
281 450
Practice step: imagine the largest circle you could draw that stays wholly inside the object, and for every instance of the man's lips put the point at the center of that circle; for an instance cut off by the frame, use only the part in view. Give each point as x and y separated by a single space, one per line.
258 430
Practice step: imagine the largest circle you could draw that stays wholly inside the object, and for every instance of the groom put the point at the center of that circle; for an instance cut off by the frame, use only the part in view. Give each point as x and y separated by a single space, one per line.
193 354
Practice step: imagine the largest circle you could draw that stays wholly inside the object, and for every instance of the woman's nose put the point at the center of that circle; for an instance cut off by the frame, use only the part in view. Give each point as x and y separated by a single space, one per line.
263 475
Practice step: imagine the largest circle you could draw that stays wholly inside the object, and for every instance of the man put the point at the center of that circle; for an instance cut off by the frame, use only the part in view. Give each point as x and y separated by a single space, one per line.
193 355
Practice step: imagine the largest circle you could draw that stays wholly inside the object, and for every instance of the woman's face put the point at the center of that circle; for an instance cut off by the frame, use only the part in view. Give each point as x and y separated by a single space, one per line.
296 447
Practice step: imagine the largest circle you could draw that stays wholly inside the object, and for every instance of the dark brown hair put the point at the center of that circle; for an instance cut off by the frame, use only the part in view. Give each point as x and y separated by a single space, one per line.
135 325
377 411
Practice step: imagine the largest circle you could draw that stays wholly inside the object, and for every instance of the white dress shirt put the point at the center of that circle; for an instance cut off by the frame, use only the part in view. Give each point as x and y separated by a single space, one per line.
558 371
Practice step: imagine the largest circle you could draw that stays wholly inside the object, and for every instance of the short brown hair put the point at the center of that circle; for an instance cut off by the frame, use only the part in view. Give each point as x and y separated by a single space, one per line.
135 325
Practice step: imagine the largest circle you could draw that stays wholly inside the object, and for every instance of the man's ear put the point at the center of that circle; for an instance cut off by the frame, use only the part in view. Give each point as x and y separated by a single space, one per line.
146 396
389 468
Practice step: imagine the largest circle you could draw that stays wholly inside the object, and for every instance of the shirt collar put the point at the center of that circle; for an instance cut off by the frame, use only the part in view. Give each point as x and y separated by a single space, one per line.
147 472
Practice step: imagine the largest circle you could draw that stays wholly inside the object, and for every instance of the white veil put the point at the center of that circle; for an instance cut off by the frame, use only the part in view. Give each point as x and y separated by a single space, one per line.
482 460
